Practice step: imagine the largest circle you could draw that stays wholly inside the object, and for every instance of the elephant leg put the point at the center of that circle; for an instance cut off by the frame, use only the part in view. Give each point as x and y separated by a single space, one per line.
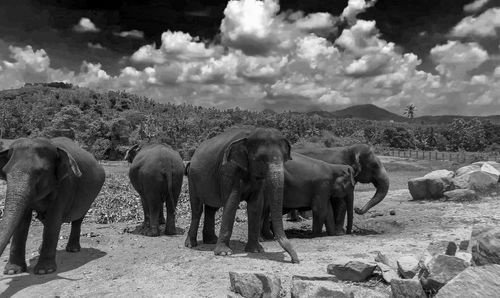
170 225
154 215
293 215
74 237
317 223
266 231
17 261
330 220
226 228
209 236
145 210
196 212
340 210
254 212
51 230
161 218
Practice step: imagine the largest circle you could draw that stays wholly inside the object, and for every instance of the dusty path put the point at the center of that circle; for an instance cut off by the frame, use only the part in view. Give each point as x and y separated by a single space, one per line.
114 263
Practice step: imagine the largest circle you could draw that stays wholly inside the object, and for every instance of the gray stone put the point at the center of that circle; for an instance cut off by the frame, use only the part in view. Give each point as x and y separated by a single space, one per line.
468 169
356 270
408 266
440 174
461 195
327 277
407 288
387 272
255 284
464 256
443 268
440 247
485 245
362 292
474 282
477 180
427 188
323 288
464 245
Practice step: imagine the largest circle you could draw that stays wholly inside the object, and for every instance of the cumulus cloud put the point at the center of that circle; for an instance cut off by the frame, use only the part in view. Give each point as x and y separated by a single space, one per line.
355 7
130 34
85 25
456 59
486 24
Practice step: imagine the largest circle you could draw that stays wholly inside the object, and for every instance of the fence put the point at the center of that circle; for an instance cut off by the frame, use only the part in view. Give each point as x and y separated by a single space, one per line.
461 157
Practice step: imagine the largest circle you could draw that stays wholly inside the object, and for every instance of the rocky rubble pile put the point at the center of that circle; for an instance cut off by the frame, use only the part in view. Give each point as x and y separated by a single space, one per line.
469 269
460 185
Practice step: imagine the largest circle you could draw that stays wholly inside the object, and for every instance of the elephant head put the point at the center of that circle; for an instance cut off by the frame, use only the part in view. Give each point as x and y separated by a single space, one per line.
132 152
260 158
369 169
33 168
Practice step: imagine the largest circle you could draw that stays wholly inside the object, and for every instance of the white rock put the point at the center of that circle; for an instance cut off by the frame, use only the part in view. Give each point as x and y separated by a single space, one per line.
255 284
408 266
474 282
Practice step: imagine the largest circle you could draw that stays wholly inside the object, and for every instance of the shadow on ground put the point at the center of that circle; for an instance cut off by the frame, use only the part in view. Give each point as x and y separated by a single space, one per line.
65 262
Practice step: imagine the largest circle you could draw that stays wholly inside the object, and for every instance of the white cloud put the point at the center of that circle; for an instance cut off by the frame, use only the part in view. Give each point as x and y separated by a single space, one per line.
95 46
475 6
455 59
355 7
486 24
85 25
130 34
320 23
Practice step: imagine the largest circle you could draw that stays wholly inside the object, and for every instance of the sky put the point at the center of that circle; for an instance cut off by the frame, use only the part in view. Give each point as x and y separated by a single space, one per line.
443 56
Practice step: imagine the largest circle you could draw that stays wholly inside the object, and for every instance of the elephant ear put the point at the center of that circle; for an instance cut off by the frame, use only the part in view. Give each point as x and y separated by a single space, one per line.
350 173
131 152
237 153
4 159
288 149
355 164
66 165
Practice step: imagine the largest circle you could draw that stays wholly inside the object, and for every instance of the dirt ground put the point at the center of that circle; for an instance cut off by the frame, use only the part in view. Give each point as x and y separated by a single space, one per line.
117 263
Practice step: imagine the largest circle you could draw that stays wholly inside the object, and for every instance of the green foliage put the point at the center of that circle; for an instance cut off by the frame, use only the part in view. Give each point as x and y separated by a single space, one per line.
107 123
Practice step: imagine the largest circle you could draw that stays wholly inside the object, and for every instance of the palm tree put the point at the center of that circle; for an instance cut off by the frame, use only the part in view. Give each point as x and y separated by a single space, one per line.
410 111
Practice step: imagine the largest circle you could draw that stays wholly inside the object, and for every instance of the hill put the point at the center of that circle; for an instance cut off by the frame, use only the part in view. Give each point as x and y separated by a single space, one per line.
365 112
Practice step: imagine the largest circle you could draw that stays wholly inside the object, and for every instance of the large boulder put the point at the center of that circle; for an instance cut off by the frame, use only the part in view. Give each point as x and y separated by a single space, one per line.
494 164
485 245
440 174
255 284
323 289
441 269
407 288
474 282
356 270
476 180
430 187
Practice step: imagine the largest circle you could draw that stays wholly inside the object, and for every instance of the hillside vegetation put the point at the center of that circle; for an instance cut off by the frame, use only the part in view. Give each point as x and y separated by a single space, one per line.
107 123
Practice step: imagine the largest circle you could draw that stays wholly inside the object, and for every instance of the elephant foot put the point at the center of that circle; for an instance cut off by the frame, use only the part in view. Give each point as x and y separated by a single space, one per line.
45 266
73 247
151 232
170 230
222 250
254 247
339 232
190 242
267 235
210 239
14 268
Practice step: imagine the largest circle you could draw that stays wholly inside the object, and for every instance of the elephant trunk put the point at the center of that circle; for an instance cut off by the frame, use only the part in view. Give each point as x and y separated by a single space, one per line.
350 215
16 201
381 183
274 192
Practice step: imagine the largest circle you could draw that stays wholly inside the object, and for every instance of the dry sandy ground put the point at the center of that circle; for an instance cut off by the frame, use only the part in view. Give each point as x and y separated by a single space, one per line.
114 263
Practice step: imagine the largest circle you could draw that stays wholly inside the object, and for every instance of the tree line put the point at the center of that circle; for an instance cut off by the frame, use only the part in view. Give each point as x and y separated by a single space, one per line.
107 123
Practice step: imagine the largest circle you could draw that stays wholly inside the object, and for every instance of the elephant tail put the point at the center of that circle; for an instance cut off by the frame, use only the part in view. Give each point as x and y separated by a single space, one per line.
170 200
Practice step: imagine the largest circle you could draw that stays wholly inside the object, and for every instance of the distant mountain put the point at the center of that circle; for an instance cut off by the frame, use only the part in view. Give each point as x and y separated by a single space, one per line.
372 112
366 112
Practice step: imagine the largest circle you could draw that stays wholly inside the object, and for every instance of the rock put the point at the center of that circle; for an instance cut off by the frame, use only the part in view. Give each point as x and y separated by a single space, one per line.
322 288
440 247
485 245
473 282
476 180
407 288
486 167
382 258
468 169
323 277
464 245
442 269
461 195
464 256
392 212
388 274
429 187
255 284
407 266
440 174
356 270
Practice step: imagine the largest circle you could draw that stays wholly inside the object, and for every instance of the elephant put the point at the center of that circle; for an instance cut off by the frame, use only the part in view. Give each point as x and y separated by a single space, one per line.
243 163
156 173
312 184
367 168
57 179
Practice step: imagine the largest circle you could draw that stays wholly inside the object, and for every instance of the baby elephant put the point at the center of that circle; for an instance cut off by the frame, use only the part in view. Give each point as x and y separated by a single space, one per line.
156 174
312 184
